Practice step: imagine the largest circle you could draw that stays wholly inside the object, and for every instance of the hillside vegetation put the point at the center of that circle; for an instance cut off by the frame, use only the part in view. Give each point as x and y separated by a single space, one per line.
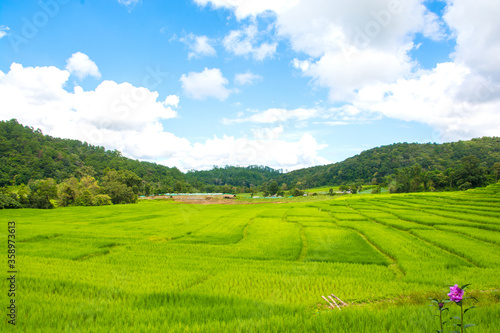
34 160
374 165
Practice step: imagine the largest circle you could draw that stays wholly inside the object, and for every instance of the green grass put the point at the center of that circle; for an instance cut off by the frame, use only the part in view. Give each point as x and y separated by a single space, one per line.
165 266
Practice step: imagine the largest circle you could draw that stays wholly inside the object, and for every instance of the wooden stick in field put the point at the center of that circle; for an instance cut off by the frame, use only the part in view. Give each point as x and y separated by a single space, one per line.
338 307
331 305
341 301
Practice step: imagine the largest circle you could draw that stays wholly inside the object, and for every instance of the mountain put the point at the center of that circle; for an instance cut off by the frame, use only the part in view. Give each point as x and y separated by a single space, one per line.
27 154
386 160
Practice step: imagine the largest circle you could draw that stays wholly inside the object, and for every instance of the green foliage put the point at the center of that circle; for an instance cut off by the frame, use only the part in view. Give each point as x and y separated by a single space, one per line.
122 186
42 193
414 164
7 201
376 190
273 188
26 154
244 177
296 192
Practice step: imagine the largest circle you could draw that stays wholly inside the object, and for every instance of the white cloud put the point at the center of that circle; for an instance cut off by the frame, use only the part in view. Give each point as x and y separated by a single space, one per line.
247 78
80 65
247 8
348 44
360 51
171 100
243 43
4 31
276 115
450 98
199 46
262 150
117 116
477 30
128 3
128 118
209 83
460 99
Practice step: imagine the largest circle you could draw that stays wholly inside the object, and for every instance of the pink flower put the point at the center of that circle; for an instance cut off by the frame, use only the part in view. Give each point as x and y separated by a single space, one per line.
456 293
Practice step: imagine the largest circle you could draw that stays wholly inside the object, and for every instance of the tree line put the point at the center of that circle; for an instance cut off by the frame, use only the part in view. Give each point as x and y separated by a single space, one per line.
38 170
116 187
435 166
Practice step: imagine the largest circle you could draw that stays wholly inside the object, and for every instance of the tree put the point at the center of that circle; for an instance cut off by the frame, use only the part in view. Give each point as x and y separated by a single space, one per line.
178 187
80 193
354 189
470 172
147 189
42 192
416 182
121 186
296 192
496 170
68 192
7 201
273 188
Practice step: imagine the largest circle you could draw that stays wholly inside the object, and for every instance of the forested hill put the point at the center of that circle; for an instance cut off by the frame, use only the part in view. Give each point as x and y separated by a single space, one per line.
250 176
26 153
377 163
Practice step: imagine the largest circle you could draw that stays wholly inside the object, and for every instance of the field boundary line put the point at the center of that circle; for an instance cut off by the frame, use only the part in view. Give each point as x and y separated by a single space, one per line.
447 250
394 264
464 234
410 233
303 238
198 281
244 234
465 219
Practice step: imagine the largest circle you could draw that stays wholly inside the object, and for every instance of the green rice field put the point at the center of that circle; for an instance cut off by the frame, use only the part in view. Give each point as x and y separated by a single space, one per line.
162 266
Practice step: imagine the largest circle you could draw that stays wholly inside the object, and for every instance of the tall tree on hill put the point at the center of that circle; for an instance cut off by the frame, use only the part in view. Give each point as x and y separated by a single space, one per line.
273 188
470 174
122 186
496 170
42 192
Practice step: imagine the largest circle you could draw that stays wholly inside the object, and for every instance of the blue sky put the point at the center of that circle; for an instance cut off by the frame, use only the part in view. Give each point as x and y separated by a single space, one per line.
287 84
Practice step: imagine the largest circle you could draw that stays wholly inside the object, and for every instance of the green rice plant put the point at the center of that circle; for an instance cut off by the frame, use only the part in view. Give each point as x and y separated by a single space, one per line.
400 224
470 216
340 245
416 258
164 266
354 216
484 235
433 219
268 238
224 230
477 252
391 220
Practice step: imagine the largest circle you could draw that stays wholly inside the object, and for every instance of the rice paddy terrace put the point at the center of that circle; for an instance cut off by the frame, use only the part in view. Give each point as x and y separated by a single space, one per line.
174 267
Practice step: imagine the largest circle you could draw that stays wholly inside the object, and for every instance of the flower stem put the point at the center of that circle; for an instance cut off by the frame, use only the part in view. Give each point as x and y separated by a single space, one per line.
461 318
441 320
